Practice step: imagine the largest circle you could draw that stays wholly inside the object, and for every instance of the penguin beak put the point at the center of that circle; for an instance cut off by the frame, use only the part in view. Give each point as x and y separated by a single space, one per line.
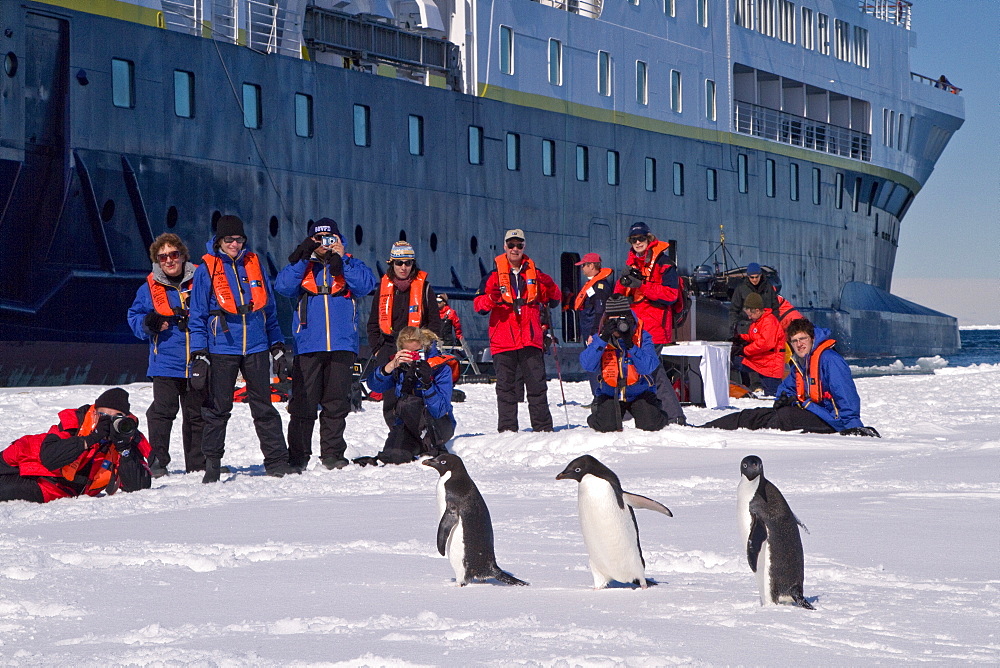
562 476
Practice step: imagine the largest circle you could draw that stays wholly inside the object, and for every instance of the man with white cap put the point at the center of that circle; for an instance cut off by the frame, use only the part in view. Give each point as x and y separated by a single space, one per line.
514 294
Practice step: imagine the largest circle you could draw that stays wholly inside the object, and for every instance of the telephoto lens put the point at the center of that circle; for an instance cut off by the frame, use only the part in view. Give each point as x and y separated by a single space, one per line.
124 425
622 325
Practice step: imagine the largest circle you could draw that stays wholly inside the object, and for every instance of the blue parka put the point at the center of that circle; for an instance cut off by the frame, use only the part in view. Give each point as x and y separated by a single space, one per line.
251 333
643 358
169 349
437 397
331 320
842 410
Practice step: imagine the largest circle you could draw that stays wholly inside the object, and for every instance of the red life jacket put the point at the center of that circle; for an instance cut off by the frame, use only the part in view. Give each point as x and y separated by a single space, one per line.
450 360
815 393
415 311
530 279
161 304
646 269
224 293
786 312
582 295
613 361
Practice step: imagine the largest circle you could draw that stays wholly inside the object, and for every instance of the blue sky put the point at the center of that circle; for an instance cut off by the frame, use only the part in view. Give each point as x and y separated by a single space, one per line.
953 227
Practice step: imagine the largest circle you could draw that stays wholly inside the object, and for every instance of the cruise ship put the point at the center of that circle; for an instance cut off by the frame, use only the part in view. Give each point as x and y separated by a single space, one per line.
795 129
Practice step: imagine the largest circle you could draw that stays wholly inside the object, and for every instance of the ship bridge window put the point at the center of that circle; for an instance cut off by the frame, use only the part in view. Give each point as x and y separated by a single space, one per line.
712 184
703 13
183 94
614 173
303 115
555 62
743 15
808 29
675 91
651 175
679 179
475 145
742 169
769 182
604 73
860 46
793 182
123 83
670 8
710 109
582 163
362 125
765 17
513 151
823 33
548 157
786 21
842 40
506 50
641 83
251 106
416 130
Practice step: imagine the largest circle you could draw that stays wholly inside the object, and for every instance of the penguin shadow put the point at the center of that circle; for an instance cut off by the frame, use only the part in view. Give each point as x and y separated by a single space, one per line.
615 584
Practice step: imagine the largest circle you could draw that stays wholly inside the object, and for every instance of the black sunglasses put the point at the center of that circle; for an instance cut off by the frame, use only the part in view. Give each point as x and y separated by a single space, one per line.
230 240
515 244
639 238
403 263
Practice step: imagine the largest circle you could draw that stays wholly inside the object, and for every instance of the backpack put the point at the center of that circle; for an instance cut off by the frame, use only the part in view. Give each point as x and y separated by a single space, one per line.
682 306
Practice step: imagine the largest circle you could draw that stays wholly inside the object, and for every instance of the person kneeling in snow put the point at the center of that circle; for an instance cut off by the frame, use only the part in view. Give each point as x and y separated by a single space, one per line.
625 359
93 449
422 379
818 395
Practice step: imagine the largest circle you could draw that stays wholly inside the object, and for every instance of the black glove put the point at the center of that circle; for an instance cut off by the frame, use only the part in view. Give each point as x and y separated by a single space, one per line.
101 432
425 373
739 343
518 304
279 363
198 377
782 401
608 330
304 250
631 279
154 321
182 323
336 264
861 431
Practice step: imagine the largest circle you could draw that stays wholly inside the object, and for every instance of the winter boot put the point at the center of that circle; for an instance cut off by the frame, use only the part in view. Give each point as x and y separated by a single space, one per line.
213 466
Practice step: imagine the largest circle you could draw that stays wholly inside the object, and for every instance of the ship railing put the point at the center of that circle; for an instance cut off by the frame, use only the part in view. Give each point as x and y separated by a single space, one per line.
936 83
183 15
891 11
368 39
780 126
591 8
273 29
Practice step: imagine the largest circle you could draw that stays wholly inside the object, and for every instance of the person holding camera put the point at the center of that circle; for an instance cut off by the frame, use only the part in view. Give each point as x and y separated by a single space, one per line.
93 449
513 295
421 378
234 329
650 281
327 282
756 282
760 353
624 358
159 315
405 299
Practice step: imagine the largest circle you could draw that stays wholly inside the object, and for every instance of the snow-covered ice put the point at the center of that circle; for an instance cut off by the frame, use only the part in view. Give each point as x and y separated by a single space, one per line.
340 567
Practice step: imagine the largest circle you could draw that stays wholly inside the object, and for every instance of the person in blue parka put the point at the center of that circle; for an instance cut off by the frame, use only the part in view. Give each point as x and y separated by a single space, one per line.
234 329
327 283
159 315
422 379
623 356
817 396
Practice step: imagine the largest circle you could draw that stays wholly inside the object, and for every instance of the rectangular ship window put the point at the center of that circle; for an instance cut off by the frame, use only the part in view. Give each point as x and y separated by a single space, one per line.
251 106
808 29
513 151
842 40
702 13
603 73
548 157
555 62
475 145
614 175
786 21
123 83
184 94
362 125
712 184
670 8
679 179
651 175
675 91
416 132
582 163
856 195
744 177
506 50
839 194
641 83
743 16
823 36
769 184
303 115
860 46
816 183
793 182
710 111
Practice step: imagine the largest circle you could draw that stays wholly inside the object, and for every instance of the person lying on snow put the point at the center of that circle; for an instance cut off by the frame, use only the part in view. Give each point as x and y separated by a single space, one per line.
818 396
96 448
422 379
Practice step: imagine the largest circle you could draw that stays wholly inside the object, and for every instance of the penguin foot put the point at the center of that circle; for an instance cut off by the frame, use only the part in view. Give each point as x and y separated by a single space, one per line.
801 600
508 579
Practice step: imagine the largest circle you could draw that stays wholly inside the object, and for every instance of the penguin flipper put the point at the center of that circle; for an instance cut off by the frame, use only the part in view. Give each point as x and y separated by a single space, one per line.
639 501
755 541
448 521
800 522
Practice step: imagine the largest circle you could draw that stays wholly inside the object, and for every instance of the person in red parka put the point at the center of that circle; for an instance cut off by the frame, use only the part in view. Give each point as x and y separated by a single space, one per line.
451 324
514 294
650 281
762 348
95 448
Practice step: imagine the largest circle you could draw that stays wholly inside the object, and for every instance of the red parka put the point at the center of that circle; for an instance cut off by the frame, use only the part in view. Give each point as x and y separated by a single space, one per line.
508 329
653 300
765 350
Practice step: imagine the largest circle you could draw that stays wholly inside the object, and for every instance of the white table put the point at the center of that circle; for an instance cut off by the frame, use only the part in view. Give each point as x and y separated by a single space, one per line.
714 367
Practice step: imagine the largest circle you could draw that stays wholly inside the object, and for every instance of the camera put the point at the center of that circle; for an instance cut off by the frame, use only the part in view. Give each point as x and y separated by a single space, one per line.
328 240
622 325
124 425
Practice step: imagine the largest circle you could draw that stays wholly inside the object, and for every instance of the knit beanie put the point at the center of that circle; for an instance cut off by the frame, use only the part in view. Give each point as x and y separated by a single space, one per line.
325 226
753 300
617 305
753 268
229 226
402 250
116 399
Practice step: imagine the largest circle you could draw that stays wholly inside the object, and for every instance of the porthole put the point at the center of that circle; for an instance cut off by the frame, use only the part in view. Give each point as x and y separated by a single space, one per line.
474 244
434 242
272 226
402 235
215 221
108 210
172 217
10 64
359 235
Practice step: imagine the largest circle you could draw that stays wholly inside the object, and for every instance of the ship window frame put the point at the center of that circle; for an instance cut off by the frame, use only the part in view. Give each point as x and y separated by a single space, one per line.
253 108
186 86
304 115
582 163
678 179
861 47
786 21
614 168
711 185
555 62
475 145
839 187
742 170
793 181
123 83
823 33
808 29
670 8
506 50
771 178
842 40
676 92
548 157
711 108
604 73
513 151
856 195
650 175
817 184
362 125
415 134
641 82
701 13
743 13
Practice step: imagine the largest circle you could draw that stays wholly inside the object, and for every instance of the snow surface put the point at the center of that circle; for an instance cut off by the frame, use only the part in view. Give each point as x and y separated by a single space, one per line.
340 567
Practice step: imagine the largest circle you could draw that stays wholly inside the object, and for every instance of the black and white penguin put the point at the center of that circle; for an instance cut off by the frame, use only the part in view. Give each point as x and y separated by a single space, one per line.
465 531
609 528
770 532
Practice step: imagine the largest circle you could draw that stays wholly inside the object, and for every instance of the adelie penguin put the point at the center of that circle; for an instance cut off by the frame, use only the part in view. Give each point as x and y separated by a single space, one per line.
465 532
770 532
610 531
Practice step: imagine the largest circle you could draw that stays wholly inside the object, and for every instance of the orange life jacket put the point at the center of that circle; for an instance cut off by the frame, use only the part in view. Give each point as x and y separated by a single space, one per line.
161 304
582 295
386 294
815 392
309 284
530 279
224 293
450 360
613 360
99 469
657 248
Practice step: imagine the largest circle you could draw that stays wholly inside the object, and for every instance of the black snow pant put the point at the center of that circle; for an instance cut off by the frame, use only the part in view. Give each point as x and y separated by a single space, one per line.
14 487
382 357
320 379
531 362
169 394
786 418
645 409
415 432
222 374
665 391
